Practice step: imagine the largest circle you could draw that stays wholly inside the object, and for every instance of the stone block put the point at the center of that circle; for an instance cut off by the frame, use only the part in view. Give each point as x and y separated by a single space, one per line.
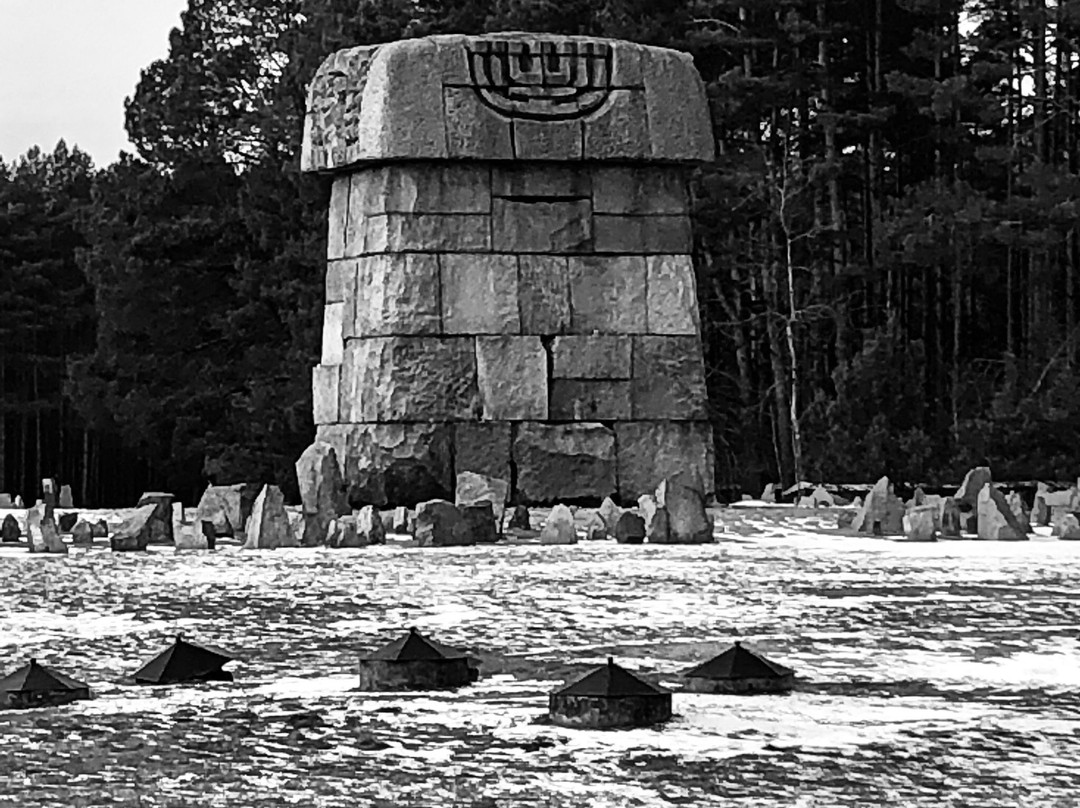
397 295
334 104
620 130
650 451
482 522
473 488
564 462
512 378
967 495
479 294
426 232
533 181
393 464
441 524
559 527
668 379
542 226
613 233
607 294
482 448
333 341
595 356
544 294
337 218
589 400
387 379
547 140
340 281
421 188
268 527
680 126
996 521
474 131
671 299
640 191
326 392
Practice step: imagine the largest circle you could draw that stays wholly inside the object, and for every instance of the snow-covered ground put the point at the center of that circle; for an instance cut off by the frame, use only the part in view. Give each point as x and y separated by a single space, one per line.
930 674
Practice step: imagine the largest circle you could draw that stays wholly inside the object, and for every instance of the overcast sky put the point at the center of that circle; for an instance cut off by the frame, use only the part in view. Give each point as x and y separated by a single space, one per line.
66 67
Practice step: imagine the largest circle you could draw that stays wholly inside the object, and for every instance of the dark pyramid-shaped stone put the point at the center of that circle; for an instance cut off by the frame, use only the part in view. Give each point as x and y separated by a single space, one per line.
34 685
739 670
185 661
413 647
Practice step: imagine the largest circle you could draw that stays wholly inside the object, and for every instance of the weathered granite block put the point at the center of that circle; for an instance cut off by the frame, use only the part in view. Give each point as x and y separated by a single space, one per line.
482 448
596 356
650 451
480 294
672 296
640 191
589 400
421 188
679 126
325 392
337 217
668 379
340 280
563 462
387 379
607 294
544 294
614 233
393 464
547 140
397 295
512 377
426 232
333 343
472 130
622 132
532 180
542 226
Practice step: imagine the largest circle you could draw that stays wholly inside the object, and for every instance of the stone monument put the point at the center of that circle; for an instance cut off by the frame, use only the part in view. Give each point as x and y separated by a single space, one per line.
509 287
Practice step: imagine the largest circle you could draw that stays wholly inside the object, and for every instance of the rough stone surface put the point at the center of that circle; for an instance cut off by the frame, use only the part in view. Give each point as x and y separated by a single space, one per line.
161 526
322 491
882 514
326 393
658 526
474 131
589 400
133 534
629 528
402 520
479 294
609 512
473 489
66 500
483 448
595 529
268 527
192 538
672 296
683 496
436 187
640 191
591 357
398 295
949 518
50 538
481 521
1067 528
5 501
996 521
369 526
66 521
668 379
920 523
519 520
393 464
559 527
512 378
544 294
1019 510
224 507
607 294
564 461
10 530
967 495
101 529
547 140
440 524
650 451
542 226
388 379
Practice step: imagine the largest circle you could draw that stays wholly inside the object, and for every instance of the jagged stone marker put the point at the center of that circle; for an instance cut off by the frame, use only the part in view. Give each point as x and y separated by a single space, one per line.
509 279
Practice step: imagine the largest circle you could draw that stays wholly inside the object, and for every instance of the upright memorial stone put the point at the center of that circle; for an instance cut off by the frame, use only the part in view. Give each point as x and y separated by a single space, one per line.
509 275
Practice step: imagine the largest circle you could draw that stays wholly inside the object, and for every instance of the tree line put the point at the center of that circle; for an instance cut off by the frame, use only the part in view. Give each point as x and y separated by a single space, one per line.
887 244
